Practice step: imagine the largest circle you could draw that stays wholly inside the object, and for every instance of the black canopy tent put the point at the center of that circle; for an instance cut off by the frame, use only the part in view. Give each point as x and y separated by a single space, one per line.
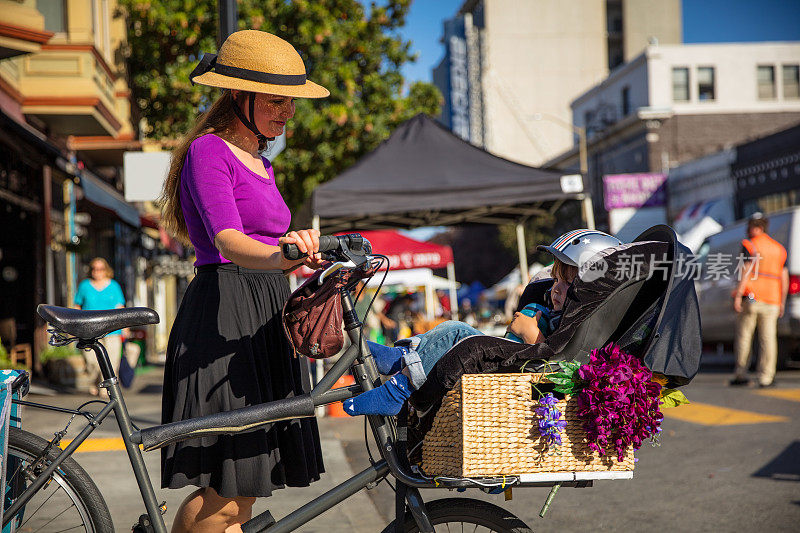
424 175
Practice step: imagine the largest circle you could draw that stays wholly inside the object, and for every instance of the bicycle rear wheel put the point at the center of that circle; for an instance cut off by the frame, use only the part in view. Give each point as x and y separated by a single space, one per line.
69 501
452 515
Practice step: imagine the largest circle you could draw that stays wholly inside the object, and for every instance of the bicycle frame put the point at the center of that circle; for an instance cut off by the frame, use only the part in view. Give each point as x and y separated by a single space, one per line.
355 359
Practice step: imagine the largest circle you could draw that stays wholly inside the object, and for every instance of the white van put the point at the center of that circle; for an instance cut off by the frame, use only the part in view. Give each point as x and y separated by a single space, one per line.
715 295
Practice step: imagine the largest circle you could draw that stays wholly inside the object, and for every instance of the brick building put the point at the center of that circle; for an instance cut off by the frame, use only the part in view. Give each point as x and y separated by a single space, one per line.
676 103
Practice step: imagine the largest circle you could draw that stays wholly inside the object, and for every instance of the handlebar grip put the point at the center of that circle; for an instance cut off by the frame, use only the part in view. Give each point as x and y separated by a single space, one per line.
326 243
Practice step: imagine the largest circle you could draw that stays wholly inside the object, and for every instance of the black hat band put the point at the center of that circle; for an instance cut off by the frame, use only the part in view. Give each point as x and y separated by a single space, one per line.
209 63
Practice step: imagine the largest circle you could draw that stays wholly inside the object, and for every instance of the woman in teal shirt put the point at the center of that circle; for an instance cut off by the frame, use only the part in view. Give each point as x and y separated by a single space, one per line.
100 291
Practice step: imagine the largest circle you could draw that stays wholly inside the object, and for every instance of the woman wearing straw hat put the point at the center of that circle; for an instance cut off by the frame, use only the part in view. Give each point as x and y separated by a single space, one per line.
227 349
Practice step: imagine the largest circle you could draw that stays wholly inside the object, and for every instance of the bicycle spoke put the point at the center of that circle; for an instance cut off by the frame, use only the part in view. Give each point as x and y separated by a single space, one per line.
71 528
56 516
37 509
21 464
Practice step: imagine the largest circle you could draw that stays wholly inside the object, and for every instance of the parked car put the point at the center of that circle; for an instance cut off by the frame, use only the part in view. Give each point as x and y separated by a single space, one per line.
715 295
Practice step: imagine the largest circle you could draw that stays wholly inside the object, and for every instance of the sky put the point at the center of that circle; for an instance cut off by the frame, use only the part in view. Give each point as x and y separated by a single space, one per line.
704 21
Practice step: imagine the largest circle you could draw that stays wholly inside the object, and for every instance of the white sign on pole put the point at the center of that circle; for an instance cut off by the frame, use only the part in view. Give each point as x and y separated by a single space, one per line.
144 174
571 183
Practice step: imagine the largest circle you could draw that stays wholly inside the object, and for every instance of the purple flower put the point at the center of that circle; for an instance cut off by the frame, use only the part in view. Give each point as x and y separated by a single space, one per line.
550 423
548 399
619 402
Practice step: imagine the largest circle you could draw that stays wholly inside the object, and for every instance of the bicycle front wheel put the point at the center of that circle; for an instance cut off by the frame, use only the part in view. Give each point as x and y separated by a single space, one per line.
68 501
452 515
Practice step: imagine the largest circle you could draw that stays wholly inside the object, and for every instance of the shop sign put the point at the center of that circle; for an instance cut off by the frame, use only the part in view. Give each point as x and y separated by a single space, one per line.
635 190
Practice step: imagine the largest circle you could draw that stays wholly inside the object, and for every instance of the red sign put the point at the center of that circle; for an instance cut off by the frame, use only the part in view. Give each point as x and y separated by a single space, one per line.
403 252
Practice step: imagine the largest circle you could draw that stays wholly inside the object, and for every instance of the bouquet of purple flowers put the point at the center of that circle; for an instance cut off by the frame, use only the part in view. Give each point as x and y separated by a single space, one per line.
618 399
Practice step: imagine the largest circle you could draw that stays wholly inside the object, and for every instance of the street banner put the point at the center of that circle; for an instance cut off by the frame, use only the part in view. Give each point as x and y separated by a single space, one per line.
635 190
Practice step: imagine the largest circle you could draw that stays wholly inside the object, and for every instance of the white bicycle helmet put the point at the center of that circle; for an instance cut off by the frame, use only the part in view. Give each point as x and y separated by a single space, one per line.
578 246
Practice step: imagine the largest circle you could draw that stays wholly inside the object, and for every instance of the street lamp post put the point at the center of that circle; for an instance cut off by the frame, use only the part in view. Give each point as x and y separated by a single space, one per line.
588 209
228 12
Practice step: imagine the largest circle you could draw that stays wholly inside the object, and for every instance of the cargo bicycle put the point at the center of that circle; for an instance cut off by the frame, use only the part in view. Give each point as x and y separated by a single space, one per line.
46 490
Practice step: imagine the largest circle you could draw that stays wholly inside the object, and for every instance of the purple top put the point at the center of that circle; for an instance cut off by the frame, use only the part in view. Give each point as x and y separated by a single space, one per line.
219 192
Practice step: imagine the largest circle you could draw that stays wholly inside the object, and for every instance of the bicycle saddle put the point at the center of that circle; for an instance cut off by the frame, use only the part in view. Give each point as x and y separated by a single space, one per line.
94 324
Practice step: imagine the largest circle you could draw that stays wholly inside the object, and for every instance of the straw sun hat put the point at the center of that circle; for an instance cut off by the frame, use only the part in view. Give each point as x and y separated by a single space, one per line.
257 62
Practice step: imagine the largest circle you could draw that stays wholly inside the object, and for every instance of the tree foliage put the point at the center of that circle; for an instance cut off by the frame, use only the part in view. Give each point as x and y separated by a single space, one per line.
353 50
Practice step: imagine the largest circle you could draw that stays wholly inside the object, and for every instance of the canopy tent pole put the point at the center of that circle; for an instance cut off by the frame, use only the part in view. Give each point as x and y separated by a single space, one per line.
451 277
523 253
430 306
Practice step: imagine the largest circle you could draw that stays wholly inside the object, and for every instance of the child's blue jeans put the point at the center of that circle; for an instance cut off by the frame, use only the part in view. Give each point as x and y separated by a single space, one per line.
436 342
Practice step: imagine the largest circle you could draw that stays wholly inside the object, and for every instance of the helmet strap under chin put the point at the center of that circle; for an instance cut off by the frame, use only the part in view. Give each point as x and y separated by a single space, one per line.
250 123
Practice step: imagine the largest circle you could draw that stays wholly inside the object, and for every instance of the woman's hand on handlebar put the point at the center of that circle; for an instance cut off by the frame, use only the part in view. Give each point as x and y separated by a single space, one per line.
307 240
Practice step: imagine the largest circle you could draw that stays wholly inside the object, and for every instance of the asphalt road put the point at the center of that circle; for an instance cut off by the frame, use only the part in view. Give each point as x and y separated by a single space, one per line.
728 462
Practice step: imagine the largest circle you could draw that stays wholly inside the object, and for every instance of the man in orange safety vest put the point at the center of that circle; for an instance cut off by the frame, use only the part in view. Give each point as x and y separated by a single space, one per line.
759 300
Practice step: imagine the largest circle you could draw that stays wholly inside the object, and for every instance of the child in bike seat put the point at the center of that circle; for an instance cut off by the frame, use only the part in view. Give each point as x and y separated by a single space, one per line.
410 361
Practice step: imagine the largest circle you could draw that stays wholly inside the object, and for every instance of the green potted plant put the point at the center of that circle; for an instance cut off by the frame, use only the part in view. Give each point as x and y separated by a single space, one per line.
64 366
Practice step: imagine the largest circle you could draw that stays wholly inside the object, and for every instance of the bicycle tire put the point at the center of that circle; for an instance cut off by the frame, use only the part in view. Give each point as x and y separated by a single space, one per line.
70 479
465 511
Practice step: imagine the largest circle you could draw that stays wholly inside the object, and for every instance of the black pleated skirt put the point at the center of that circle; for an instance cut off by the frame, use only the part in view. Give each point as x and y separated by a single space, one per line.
227 350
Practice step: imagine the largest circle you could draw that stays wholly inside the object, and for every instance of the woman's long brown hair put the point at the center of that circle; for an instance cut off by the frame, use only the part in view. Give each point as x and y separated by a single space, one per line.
217 119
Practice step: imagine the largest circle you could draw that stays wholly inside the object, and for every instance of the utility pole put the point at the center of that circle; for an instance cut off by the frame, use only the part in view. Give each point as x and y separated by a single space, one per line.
588 209
586 202
228 11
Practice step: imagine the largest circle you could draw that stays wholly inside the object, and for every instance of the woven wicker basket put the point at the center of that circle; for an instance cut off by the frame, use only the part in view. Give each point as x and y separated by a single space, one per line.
487 426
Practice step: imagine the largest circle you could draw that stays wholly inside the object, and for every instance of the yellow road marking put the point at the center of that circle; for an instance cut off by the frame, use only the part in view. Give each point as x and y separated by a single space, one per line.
783 394
711 415
97 445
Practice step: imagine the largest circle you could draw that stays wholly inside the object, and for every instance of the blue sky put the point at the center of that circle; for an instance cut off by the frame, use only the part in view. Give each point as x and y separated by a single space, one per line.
704 21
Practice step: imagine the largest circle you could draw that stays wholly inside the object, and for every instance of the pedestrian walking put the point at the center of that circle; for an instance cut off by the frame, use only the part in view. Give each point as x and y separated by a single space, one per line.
227 349
101 291
759 300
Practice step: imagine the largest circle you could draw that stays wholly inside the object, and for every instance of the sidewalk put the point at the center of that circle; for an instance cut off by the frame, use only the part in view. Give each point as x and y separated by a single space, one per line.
109 466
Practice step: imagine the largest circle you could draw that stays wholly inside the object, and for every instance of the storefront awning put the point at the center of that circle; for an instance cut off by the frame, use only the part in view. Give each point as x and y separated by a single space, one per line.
95 190
99 193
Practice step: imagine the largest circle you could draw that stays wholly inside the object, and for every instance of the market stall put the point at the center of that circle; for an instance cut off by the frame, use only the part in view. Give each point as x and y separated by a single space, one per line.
423 175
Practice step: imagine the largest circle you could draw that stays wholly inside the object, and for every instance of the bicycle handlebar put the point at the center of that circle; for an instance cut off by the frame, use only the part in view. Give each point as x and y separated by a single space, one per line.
327 243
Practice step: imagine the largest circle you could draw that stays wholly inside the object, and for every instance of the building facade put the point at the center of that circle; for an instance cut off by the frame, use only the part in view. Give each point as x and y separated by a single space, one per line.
766 173
65 122
512 67
676 103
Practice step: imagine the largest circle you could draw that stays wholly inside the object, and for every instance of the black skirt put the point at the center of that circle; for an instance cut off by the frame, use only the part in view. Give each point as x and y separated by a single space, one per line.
227 350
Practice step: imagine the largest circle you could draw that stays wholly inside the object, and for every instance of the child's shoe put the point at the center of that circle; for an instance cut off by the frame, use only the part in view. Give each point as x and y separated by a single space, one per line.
386 400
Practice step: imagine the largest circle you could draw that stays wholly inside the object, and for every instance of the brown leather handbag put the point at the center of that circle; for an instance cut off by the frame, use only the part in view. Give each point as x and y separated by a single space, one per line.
312 316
